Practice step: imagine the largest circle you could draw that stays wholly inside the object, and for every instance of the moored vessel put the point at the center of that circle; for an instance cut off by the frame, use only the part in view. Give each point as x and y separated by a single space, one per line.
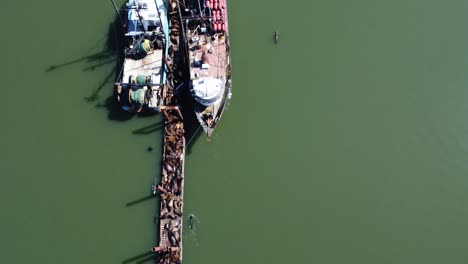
139 84
206 35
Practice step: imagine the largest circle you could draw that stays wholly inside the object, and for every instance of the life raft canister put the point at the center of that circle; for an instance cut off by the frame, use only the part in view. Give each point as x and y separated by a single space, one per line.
208 3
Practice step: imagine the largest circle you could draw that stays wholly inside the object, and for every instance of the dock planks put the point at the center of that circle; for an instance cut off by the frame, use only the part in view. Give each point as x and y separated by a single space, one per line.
171 189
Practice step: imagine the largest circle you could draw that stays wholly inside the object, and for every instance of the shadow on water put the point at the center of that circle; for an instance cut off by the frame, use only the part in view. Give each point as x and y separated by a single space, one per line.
95 94
149 129
111 54
115 112
137 201
100 56
93 67
148 259
193 130
140 257
113 46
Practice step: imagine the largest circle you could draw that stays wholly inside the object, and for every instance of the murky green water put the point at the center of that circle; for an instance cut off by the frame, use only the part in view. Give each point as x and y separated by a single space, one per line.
346 143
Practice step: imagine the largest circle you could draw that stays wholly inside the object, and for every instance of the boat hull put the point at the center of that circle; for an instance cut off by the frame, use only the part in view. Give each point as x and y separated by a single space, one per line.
208 55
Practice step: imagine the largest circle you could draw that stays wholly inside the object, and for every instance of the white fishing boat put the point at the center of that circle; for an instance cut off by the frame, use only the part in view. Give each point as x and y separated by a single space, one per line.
207 36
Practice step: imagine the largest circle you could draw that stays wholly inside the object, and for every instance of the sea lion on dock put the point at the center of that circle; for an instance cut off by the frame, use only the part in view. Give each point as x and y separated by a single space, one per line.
177 236
168 168
170 204
178 212
173 240
171 138
169 215
173 224
164 213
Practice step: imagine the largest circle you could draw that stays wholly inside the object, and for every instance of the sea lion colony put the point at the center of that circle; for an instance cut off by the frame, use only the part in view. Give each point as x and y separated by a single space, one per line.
172 178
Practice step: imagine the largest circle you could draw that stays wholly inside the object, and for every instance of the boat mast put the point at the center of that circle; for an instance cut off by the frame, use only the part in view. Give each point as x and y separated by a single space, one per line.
118 13
139 17
159 15
199 6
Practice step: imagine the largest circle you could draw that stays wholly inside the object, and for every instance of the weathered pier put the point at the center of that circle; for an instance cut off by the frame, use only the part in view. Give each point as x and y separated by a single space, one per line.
171 187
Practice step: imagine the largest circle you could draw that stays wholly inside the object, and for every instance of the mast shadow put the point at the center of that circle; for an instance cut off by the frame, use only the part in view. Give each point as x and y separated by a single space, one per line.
137 201
93 67
94 96
148 259
139 257
103 55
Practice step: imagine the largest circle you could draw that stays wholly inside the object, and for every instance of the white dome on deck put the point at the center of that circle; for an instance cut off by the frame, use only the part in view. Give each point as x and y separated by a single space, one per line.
207 90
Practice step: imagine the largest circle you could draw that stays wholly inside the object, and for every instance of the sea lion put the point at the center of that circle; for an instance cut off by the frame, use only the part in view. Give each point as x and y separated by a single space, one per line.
171 138
191 221
170 204
168 168
178 212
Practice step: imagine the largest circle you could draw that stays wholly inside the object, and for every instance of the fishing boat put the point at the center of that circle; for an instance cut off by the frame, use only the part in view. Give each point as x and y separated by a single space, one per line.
208 53
139 84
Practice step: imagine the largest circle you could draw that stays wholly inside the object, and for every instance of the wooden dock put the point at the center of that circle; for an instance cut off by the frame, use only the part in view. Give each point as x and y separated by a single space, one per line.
171 188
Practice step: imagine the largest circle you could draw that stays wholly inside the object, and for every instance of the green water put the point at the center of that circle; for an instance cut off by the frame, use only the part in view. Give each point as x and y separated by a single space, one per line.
346 143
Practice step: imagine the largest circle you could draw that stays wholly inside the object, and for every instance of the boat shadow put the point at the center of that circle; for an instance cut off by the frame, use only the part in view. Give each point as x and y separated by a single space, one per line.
141 258
115 112
111 54
193 130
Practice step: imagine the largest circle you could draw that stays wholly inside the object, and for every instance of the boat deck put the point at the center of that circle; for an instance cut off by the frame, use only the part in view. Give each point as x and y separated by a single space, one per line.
150 65
210 55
